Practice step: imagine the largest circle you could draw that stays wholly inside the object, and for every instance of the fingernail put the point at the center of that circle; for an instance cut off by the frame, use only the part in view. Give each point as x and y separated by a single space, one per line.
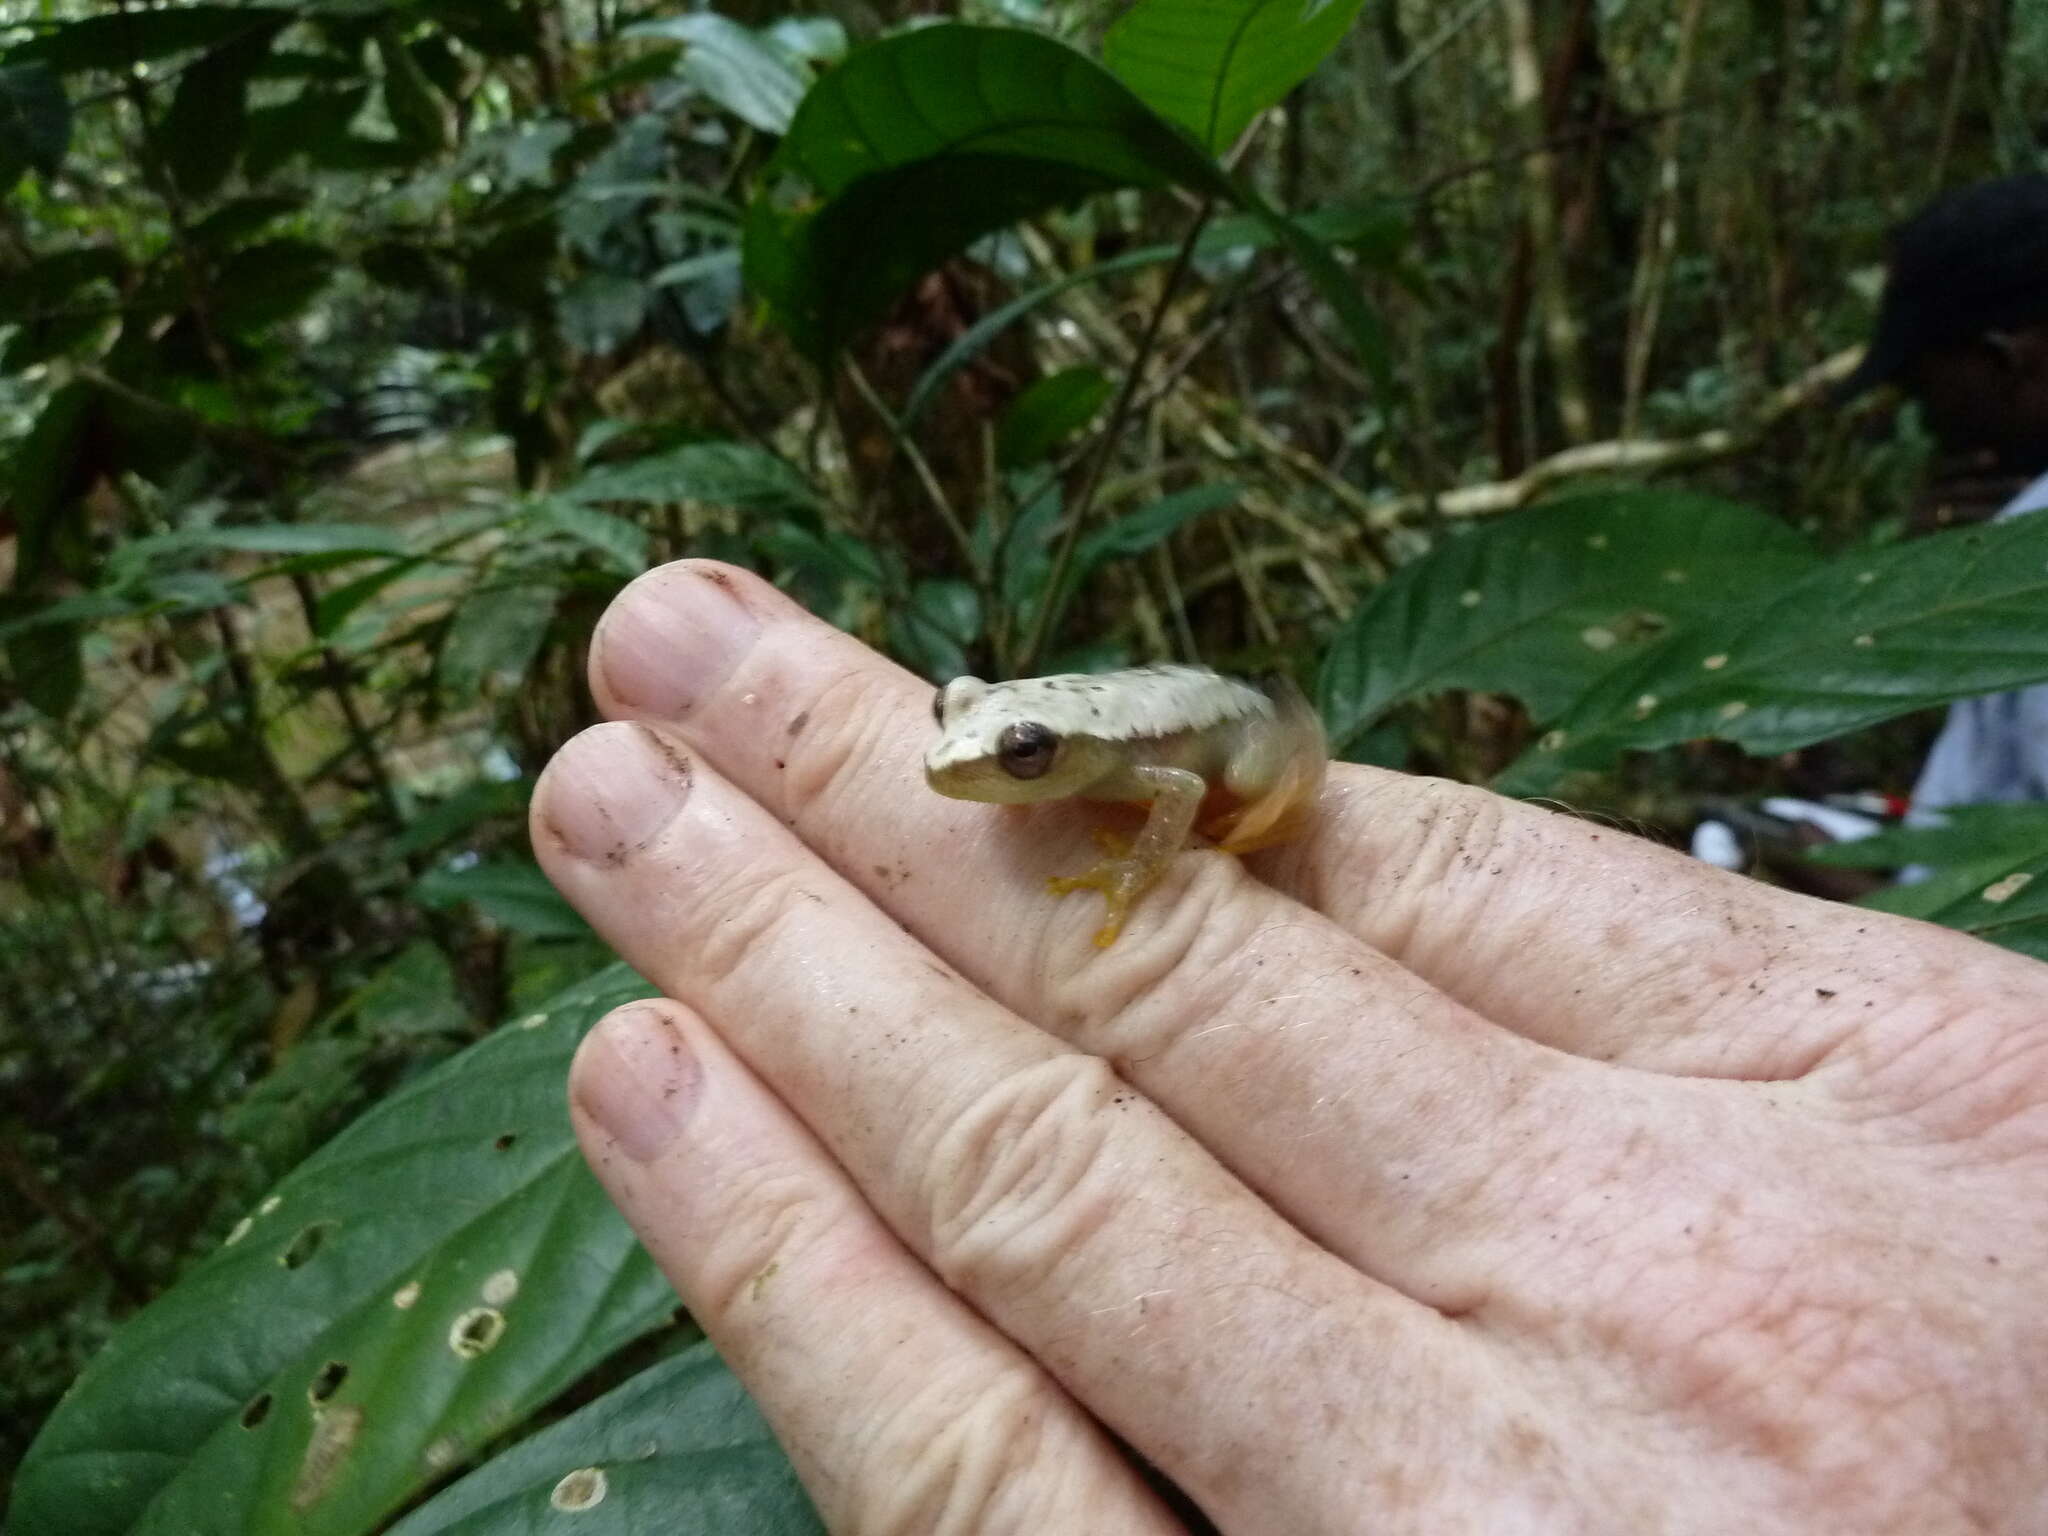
637 1077
672 638
609 793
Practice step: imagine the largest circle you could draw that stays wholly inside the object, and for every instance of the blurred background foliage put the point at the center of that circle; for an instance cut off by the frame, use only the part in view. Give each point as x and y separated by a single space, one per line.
354 354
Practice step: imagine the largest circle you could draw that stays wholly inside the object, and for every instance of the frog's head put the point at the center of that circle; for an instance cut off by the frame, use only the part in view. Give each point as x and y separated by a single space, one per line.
993 746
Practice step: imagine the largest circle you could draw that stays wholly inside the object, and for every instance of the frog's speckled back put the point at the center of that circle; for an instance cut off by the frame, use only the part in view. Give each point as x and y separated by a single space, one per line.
1118 706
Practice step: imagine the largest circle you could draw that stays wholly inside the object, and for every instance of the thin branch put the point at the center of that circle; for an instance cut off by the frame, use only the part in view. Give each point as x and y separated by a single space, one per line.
1119 417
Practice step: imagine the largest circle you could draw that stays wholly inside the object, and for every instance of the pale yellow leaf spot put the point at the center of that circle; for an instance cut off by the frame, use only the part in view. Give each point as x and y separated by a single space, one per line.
1865 578
501 1287
1715 662
2009 887
579 1490
238 1231
404 1297
1552 741
1597 638
1469 597
1645 704
1864 640
1733 708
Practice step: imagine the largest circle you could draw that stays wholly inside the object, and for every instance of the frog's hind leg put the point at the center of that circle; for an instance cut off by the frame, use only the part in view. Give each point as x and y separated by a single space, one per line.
1129 871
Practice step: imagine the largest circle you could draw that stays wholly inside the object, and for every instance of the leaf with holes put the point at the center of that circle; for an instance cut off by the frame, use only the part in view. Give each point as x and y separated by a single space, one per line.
1214 65
678 1448
413 1291
1541 603
921 143
2002 900
1866 637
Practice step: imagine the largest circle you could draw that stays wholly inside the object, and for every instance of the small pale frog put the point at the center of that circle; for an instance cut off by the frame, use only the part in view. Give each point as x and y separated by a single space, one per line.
1238 763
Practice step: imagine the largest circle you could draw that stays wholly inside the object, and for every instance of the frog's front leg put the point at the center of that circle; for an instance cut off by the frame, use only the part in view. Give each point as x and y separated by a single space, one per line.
1124 877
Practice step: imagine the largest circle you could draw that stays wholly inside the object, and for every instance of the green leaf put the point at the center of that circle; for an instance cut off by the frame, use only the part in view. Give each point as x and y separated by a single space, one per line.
1214 65
49 474
1542 602
48 667
130 37
1867 637
726 474
203 133
933 630
264 539
416 109
1990 875
313 123
921 143
1966 835
1150 525
414 1290
260 285
622 542
754 81
678 1448
35 122
55 279
514 896
493 638
1340 290
234 222
1049 412
1377 234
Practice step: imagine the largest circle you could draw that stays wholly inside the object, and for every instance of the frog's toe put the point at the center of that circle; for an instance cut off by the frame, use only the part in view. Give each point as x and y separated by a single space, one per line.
1122 880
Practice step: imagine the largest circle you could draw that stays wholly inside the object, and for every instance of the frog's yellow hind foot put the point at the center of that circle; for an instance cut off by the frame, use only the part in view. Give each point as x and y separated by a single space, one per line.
1121 879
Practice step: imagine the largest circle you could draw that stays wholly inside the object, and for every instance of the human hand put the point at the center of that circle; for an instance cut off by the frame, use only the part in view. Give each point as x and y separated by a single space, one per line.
1463 1167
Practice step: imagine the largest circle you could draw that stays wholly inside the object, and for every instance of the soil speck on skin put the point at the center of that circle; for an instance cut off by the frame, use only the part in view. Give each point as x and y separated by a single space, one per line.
797 725
1823 993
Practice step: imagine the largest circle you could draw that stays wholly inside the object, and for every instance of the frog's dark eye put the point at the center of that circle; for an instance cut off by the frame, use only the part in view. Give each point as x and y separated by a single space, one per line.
939 706
1026 749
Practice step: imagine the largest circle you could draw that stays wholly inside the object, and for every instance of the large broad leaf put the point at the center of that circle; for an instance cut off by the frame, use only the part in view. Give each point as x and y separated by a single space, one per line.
1543 602
750 78
923 142
414 1290
1867 637
1214 65
678 1448
35 122
130 37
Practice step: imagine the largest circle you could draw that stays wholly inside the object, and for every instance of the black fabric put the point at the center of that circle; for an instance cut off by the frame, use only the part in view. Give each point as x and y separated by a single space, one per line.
1972 261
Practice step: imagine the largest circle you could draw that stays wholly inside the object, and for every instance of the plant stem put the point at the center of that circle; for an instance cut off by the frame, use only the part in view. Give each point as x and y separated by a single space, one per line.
1119 418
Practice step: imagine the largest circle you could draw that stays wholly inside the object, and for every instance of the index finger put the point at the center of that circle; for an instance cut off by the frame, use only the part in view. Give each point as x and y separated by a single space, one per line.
1571 933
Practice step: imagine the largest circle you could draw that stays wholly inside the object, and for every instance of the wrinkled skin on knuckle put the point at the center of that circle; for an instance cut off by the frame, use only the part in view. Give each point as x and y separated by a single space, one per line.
850 739
1016 1182
737 921
1132 999
963 1452
771 1218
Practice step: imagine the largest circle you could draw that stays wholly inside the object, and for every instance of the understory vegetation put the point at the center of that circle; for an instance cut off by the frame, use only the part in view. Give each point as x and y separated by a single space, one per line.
1469 362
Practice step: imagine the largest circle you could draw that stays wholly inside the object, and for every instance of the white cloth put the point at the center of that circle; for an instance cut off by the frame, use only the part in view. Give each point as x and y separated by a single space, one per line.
1994 748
